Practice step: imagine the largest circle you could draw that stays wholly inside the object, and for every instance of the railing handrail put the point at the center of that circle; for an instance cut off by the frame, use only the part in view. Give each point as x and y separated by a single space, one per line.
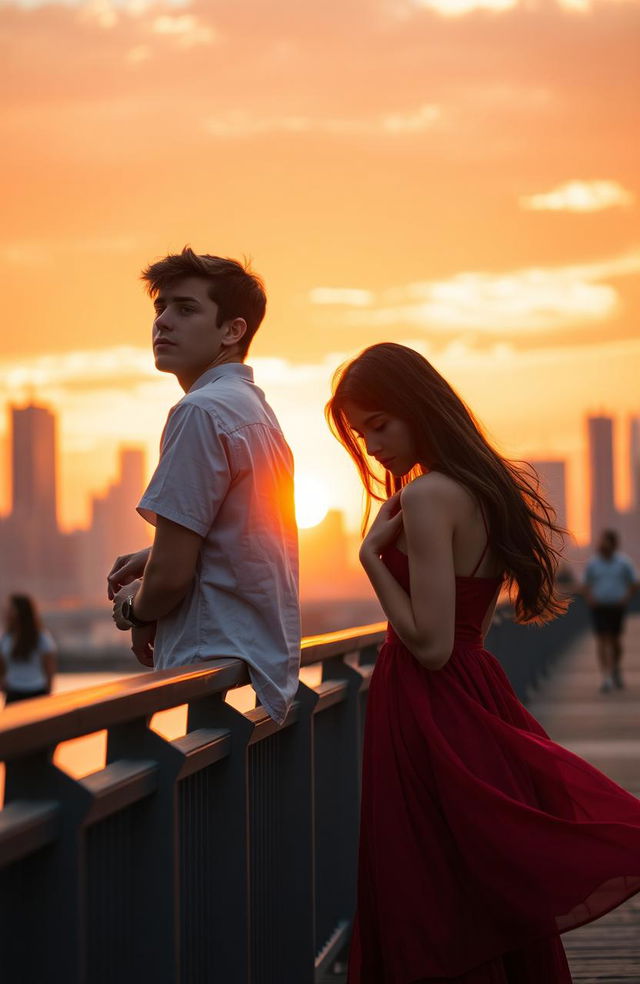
29 726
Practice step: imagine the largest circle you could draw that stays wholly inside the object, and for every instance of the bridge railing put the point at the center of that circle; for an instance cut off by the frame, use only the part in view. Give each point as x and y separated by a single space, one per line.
225 855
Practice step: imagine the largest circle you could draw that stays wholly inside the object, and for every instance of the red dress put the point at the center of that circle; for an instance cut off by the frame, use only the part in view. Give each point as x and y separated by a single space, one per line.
481 839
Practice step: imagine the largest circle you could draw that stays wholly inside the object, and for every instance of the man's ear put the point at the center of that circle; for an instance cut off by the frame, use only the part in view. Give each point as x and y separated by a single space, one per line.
233 331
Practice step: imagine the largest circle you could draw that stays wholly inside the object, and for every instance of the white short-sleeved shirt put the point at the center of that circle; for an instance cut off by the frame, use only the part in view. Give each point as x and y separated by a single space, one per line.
226 472
26 675
609 579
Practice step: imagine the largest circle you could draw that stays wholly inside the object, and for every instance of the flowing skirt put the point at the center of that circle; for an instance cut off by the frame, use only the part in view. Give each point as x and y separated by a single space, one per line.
481 839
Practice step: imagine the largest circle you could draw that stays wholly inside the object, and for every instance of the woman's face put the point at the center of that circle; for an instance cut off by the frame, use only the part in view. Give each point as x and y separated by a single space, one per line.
386 438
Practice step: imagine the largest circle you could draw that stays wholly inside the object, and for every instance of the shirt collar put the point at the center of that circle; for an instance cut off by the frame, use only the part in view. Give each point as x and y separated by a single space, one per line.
238 369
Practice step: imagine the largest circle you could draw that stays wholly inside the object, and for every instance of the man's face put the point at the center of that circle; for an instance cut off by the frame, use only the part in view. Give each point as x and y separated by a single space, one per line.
186 339
606 546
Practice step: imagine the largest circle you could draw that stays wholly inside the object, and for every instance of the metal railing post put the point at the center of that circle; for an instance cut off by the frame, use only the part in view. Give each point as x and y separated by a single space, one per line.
44 930
338 757
215 853
154 840
282 850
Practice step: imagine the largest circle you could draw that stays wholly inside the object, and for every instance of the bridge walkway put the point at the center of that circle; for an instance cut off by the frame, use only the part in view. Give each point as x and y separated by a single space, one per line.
604 729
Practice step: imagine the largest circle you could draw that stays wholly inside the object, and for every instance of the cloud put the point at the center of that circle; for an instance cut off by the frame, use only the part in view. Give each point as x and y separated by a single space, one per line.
185 28
104 13
531 300
244 124
117 367
413 122
40 252
458 8
138 54
352 297
580 196
99 9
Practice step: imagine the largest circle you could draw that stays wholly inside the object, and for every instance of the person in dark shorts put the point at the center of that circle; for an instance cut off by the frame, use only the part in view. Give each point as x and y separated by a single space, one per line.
609 581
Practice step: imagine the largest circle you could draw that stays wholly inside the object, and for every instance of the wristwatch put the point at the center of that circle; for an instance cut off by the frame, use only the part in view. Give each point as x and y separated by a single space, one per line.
129 614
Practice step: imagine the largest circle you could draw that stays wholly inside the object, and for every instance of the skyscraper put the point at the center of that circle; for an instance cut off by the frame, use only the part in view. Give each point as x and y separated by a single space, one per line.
116 527
34 467
601 482
553 481
33 538
634 461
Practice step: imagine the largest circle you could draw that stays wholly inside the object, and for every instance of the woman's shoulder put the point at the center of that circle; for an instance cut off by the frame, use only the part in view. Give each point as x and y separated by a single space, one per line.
436 488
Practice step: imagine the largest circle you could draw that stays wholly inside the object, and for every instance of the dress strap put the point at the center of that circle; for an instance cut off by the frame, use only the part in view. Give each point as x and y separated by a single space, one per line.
486 546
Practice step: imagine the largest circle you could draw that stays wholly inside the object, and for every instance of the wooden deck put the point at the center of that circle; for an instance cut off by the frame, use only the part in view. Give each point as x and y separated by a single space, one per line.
605 730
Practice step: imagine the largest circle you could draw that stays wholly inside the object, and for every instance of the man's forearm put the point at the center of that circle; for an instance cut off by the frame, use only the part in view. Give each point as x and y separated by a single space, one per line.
159 594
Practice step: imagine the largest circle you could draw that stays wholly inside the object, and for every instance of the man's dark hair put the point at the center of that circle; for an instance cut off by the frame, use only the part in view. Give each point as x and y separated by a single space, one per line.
612 537
238 292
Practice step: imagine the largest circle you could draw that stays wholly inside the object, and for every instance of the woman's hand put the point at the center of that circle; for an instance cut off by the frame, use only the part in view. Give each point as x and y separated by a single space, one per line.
384 529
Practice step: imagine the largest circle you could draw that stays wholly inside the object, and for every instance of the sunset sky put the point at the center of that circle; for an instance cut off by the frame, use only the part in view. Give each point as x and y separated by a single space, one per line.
456 175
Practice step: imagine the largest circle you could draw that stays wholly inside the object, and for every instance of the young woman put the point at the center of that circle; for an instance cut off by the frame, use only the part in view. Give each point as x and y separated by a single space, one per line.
27 652
481 840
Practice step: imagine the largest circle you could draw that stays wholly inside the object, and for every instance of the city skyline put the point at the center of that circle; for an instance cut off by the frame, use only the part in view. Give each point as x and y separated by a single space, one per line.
88 450
38 557
80 558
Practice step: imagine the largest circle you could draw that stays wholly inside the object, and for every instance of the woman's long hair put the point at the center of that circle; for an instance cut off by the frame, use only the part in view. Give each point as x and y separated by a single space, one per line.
398 381
26 627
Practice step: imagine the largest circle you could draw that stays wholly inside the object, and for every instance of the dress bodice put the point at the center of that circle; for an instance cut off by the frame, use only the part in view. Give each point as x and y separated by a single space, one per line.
473 597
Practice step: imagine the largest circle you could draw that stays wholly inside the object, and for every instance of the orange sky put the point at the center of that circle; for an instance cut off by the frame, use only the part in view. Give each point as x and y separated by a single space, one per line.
456 175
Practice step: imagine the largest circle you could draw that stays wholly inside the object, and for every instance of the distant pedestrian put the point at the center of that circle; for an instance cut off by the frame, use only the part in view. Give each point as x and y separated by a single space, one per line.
610 581
27 652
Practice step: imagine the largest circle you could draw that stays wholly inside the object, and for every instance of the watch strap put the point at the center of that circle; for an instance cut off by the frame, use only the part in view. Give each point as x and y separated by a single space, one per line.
131 616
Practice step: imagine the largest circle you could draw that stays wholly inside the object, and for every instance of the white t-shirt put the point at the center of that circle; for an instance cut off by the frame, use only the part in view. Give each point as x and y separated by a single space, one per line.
226 472
609 578
26 675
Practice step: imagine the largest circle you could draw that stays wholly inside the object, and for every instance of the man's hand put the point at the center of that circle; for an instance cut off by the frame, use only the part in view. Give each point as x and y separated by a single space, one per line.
142 640
130 591
126 568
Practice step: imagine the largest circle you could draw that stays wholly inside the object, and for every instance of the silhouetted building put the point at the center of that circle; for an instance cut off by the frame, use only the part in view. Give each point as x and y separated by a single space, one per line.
634 461
34 467
115 527
31 538
602 498
553 480
329 567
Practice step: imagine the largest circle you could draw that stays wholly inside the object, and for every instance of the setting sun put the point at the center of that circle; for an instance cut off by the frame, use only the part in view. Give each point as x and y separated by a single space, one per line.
312 501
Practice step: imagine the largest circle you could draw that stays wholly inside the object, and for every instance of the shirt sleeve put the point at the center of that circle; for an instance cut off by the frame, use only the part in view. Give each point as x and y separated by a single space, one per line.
193 474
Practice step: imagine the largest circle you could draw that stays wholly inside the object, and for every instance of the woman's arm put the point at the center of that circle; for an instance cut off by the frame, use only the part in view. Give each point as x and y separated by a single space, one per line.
425 620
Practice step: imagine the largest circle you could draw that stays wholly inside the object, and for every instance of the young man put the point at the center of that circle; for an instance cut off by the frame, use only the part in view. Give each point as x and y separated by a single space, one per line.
221 578
609 583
